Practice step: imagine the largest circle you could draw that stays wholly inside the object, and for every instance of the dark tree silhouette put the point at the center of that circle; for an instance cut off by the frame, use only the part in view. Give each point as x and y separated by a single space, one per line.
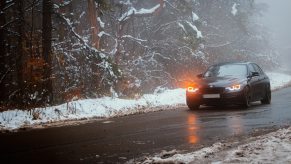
47 52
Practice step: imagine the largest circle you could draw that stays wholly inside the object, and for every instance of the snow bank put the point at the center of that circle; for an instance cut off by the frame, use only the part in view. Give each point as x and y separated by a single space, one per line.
90 108
106 107
271 148
274 147
278 80
185 158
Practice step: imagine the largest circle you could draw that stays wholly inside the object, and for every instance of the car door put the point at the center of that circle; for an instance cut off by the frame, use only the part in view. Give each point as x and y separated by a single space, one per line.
253 82
260 85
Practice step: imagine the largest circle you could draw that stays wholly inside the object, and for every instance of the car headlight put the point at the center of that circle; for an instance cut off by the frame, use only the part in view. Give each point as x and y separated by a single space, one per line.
192 89
236 87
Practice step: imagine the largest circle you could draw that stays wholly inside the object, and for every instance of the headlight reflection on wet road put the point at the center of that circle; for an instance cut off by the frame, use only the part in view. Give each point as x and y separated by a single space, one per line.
192 129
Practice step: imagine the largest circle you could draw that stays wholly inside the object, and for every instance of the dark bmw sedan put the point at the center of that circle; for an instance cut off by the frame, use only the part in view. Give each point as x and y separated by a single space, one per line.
230 83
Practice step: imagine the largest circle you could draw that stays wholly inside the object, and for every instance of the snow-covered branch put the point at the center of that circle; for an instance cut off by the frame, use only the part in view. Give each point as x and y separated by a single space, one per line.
218 45
141 12
10 22
133 38
198 33
4 75
64 4
69 24
9 4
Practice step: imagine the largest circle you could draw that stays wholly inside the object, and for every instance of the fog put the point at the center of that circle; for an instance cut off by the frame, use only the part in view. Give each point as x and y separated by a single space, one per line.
278 21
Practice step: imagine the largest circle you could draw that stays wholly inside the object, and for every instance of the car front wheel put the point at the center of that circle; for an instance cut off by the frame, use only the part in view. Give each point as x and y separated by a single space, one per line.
267 97
247 97
192 105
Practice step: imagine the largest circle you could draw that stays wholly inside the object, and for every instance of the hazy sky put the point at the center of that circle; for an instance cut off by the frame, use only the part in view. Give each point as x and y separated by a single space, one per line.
278 20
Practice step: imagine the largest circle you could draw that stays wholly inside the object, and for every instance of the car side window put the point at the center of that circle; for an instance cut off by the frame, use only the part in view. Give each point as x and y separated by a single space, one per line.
251 69
258 69
261 71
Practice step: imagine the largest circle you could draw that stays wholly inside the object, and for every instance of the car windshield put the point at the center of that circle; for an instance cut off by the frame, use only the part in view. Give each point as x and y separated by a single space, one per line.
226 70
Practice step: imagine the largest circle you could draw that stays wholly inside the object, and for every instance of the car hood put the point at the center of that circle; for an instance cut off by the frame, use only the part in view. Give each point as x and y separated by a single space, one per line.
221 81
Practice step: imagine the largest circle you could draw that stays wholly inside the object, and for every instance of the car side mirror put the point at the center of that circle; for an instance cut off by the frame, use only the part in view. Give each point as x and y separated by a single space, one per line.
200 75
255 74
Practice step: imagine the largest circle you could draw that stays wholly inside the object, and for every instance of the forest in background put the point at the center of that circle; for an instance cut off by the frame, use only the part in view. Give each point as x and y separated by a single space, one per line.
55 51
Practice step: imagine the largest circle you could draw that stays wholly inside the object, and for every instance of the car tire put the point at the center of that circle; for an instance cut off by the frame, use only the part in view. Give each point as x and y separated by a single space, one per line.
193 107
246 97
192 104
267 98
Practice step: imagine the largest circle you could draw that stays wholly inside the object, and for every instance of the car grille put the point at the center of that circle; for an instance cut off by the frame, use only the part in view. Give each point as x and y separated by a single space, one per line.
214 90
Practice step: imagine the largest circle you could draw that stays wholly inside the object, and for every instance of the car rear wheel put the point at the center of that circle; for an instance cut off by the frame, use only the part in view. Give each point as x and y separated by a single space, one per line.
267 97
247 97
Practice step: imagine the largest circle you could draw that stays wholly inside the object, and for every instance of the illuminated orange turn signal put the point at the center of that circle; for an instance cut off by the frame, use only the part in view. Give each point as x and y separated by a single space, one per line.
192 89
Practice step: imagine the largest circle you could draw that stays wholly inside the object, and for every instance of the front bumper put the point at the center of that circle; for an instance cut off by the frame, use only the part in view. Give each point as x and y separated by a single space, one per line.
226 98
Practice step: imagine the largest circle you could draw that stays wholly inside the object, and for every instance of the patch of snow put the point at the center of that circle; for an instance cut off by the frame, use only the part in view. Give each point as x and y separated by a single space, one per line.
102 24
82 14
133 38
199 34
101 33
278 80
107 122
194 17
186 158
55 7
274 147
234 9
183 28
148 11
88 108
141 11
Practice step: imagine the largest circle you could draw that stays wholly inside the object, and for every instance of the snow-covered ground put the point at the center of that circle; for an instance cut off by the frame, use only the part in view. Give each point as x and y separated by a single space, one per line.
279 80
106 107
274 147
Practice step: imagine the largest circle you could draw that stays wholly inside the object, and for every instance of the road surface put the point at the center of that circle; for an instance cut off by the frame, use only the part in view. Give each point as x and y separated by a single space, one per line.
117 140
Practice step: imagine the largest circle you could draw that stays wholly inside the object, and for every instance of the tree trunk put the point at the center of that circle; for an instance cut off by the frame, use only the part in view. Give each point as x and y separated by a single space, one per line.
19 56
93 22
3 68
46 45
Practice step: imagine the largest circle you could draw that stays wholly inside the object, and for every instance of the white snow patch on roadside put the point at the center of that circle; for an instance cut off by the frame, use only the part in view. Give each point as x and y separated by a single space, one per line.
274 147
278 80
89 108
106 107
186 158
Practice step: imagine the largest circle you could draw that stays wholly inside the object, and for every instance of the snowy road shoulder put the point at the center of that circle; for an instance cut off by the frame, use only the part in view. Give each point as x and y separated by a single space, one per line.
107 107
279 80
274 147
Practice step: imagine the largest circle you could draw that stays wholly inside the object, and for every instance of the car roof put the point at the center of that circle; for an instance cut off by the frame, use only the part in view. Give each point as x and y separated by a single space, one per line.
225 63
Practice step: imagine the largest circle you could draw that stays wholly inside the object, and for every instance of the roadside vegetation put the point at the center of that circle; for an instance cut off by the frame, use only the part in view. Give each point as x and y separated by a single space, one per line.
57 51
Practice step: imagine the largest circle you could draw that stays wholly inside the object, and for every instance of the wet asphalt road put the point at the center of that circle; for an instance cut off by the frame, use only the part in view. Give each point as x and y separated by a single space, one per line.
120 139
